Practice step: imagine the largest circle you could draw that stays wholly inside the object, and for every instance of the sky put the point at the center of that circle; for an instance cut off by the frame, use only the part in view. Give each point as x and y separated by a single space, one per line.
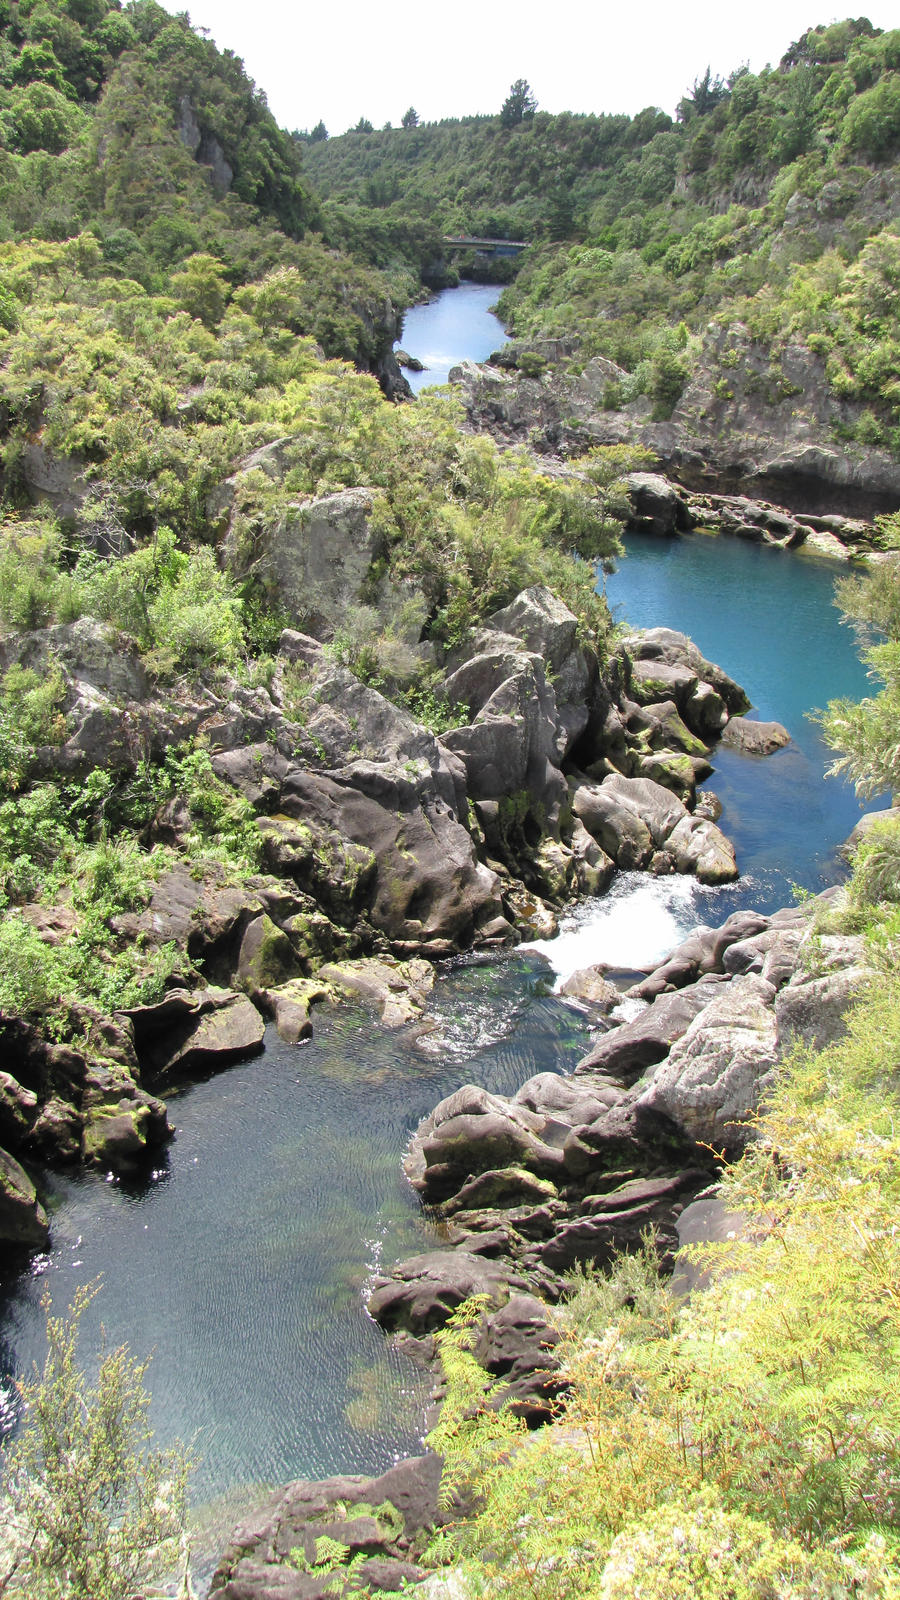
373 58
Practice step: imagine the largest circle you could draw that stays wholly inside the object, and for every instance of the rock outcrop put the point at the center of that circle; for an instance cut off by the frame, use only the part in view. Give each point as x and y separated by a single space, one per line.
384 1520
575 1169
384 846
759 427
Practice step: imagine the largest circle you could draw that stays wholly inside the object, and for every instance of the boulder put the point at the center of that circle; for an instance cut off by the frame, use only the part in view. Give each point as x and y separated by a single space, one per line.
399 989
378 845
590 984
656 505
205 915
186 1035
618 829
548 629
668 647
616 1222
93 653
289 1004
754 738
315 556
626 1052
23 1220
384 1520
812 1008
714 1077
518 1343
421 1294
632 1138
699 846
514 743
18 1111
594 870
871 819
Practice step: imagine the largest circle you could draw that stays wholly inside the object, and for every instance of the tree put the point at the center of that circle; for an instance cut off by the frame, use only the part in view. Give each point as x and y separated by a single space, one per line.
87 1510
410 118
201 287
363 126
707 93
519 105
319 133
864 733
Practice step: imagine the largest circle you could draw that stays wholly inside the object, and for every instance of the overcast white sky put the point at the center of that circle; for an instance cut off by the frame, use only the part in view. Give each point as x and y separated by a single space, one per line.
354 58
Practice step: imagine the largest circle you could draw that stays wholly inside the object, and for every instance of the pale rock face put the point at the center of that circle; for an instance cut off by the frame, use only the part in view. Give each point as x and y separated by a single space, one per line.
714 1077
316 556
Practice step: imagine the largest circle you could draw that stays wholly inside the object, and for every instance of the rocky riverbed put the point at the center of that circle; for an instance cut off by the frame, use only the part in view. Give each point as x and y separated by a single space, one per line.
568 1171
384 846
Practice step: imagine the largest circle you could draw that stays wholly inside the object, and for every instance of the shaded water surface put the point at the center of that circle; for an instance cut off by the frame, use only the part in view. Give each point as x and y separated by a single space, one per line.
241 1266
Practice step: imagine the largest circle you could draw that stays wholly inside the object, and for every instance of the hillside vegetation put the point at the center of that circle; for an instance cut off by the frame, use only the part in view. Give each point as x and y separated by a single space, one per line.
771 201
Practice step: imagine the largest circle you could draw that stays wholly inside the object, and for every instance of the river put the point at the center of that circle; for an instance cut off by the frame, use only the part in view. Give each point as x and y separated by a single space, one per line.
241 1265
454 324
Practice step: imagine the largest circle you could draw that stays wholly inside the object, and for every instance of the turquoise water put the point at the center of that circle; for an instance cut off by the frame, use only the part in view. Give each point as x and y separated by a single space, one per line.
455 325
768 618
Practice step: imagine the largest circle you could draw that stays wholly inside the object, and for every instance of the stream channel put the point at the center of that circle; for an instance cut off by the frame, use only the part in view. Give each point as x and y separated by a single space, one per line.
241 1265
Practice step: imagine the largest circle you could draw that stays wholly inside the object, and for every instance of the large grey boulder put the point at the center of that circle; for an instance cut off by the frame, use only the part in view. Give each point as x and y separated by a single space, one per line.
377 844
755 738
472 1131
514 742
314 556
657 648
185 1035
627 1051
701 847
870 820
634 818
548 628
712 1082
91 653
656 505
812 1008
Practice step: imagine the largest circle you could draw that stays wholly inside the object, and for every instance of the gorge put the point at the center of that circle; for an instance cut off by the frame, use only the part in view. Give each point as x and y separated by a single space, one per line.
418 876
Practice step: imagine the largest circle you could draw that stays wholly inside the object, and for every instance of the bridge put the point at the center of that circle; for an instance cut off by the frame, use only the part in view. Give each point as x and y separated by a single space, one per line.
486 247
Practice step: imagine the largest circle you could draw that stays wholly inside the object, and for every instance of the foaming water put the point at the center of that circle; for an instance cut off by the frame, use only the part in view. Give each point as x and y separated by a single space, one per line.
455 325
633 926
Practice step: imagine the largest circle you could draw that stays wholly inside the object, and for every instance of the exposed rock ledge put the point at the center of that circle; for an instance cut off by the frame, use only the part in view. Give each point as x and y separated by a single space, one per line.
384 846
740 425
573 1169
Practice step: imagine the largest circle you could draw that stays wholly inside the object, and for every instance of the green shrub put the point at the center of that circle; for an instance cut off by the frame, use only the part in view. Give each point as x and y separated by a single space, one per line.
90 1510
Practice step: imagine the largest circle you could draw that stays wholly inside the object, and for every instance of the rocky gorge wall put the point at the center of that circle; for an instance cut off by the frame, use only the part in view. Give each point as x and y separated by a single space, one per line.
739 428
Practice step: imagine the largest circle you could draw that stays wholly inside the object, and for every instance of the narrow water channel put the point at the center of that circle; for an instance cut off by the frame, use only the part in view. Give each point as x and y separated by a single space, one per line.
241 1266
452 326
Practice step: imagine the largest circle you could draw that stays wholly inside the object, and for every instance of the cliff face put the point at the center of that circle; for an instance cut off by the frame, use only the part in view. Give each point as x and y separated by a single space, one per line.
743 423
